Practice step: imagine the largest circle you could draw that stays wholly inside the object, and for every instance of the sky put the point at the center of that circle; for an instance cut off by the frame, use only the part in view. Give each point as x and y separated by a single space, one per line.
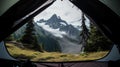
68 12
65 9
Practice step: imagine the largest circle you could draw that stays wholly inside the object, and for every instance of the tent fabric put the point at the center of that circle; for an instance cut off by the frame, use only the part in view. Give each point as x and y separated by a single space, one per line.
74 64
23 12
19 14
105 18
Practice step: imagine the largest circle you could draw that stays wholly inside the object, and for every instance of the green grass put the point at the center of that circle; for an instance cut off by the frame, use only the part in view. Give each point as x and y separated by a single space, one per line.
23 53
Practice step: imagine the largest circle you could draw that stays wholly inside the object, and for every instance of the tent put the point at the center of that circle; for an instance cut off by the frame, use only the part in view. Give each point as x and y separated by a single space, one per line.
103 14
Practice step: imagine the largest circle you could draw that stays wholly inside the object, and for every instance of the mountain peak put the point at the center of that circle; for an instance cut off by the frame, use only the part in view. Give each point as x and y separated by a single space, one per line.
54 16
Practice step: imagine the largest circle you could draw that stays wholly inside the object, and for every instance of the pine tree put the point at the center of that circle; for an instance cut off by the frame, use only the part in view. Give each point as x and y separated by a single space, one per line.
97 41
84 33
29 38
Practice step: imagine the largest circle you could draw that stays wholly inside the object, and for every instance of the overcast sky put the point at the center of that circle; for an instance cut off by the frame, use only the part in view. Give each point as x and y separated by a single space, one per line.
65 9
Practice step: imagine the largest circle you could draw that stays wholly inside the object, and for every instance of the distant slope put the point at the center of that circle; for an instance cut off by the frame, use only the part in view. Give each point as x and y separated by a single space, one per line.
44 38
66 35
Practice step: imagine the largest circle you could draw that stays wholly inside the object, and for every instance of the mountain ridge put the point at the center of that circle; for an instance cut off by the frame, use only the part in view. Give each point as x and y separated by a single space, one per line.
56 22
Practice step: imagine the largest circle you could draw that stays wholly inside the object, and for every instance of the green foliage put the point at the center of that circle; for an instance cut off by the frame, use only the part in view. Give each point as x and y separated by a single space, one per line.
29 38
84 33
37 46
9 38
96 41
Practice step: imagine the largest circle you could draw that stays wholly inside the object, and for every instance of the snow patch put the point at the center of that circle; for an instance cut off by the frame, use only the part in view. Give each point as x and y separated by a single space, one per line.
63 23
55 32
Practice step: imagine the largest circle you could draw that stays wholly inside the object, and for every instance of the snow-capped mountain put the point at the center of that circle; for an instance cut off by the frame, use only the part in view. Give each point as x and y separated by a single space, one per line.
57 26
66 35
52 22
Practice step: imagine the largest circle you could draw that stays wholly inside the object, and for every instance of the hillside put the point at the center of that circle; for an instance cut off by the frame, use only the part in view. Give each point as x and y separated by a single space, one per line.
23 53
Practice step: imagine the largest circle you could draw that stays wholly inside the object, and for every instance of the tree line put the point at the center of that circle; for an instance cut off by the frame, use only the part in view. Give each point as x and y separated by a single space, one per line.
29 39
92 38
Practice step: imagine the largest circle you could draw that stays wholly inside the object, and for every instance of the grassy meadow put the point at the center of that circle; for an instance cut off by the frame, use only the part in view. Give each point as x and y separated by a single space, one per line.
23 53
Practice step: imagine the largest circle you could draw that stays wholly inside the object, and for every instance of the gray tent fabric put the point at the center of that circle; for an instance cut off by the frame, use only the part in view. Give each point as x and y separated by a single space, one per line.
19 14
74 64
